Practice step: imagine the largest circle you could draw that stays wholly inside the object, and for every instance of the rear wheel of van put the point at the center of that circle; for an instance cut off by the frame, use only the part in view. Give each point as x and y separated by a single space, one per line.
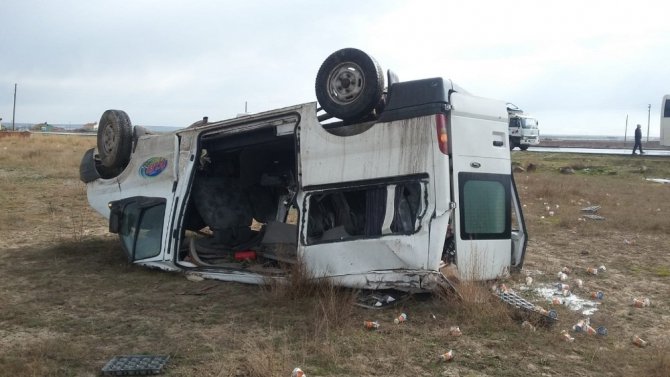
115 139
523 147
349 84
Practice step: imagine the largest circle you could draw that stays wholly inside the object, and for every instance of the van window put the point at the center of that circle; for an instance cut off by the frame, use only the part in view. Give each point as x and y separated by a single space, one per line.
363 212
484 206
142 230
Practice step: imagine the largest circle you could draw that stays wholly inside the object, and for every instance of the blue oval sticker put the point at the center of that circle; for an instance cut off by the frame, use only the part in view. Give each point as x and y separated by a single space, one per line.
153 166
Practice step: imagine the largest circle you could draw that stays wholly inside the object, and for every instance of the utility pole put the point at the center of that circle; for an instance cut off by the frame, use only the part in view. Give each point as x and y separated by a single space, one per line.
648 116
625 133
14 109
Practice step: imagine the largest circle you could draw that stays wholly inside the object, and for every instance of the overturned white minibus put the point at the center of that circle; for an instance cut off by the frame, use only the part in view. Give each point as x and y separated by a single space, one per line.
413 176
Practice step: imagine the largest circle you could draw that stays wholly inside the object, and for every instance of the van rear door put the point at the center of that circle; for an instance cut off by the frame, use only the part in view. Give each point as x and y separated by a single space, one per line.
481 186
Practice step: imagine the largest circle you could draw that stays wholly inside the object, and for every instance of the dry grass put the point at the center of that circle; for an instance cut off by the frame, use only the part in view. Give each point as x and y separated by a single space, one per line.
70 302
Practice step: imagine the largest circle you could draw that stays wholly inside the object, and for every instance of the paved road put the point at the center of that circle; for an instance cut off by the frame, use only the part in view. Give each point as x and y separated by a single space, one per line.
647 152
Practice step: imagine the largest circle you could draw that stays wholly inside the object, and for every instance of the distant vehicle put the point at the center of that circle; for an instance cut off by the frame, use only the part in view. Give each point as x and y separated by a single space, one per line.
523 129
665 120
409 180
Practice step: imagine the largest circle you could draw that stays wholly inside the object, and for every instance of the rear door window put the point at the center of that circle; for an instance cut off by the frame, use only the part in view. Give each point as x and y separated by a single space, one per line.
484 206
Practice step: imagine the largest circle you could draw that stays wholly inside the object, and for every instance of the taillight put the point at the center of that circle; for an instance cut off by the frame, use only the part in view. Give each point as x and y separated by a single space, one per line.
442 137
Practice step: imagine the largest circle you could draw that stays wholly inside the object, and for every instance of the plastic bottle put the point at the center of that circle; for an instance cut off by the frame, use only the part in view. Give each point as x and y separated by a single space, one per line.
447 356
562 276
592 271
590 330
579 326
455 331
641 302
297 372
401 318
529 280
579 283
565 270
556 301
602 268
639 341
566 293
371 325
599 295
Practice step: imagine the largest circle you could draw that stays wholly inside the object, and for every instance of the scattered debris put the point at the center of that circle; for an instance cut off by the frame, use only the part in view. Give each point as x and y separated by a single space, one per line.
400 319
447 356
642 302
566 337
639 341
371 325
659 180
594 217
509 297
519 169
599 295
297 372
592 271
591 209
567 170
377 300
455 331
572 301
529 281
562 276
579 283
135 365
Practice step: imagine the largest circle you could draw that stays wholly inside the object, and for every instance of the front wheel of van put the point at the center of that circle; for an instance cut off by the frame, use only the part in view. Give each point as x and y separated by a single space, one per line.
115 139
349 84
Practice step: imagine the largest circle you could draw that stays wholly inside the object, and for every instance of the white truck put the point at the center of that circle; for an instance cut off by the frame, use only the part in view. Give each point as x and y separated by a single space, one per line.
523 129
413 177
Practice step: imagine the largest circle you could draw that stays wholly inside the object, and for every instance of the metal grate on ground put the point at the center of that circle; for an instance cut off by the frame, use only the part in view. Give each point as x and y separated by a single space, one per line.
135 365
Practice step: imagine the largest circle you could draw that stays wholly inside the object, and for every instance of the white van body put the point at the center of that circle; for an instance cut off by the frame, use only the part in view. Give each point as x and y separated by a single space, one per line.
365 204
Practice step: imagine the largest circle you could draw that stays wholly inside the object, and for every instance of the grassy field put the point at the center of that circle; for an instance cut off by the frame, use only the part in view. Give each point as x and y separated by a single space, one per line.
69 301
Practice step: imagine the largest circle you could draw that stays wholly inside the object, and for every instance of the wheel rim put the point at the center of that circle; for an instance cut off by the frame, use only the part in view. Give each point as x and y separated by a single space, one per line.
345 83
109 139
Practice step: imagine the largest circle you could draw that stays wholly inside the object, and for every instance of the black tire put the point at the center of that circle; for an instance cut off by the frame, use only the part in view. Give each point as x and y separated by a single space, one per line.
115 139
349 84
87 171
523 147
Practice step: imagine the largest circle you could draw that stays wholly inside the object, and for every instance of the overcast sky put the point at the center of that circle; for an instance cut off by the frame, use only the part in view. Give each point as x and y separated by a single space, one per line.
579 66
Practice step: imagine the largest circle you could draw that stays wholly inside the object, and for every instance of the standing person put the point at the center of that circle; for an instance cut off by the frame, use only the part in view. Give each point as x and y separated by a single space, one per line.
638 139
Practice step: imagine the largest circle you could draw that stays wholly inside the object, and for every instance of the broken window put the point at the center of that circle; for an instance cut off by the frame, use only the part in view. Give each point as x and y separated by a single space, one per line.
366 211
